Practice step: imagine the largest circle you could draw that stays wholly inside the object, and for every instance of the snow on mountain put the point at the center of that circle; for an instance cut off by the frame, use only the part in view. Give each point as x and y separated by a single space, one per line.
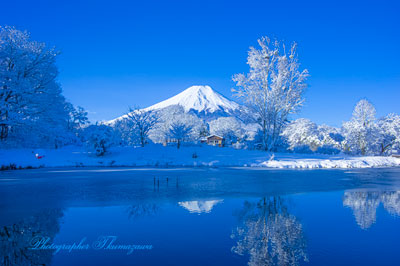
200 100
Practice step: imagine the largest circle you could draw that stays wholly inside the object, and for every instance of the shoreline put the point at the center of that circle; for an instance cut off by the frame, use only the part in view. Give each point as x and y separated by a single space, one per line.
121 168
159 157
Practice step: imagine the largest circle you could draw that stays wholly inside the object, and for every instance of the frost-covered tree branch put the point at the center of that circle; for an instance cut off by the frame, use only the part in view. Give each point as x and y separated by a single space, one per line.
32 109
361 132
273 89
389 127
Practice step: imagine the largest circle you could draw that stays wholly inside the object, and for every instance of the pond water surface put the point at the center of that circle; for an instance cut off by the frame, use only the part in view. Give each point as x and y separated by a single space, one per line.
122 216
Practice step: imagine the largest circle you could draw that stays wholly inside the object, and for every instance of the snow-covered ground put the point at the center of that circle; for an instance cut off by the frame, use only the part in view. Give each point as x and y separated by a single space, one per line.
159 156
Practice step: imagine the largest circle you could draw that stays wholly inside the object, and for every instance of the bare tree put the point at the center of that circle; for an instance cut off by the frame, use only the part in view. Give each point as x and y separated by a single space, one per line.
179 132
141 122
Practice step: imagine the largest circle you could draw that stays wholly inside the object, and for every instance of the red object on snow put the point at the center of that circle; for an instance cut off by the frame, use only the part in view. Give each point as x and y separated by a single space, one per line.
39 156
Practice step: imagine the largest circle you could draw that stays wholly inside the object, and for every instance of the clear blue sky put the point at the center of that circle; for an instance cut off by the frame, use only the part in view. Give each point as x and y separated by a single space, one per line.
116 54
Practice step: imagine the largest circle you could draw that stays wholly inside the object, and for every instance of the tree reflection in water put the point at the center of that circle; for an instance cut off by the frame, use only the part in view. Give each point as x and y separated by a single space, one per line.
15 239
365 203
142 209
269 234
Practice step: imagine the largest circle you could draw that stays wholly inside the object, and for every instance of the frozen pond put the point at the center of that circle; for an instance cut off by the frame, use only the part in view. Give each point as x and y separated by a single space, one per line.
122 216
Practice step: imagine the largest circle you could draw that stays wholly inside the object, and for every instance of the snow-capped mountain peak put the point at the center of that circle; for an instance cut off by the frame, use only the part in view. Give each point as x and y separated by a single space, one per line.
199 99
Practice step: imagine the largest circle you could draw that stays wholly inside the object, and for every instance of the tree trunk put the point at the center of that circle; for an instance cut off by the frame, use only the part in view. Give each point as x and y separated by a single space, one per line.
385 147
264 135
4 132
141 140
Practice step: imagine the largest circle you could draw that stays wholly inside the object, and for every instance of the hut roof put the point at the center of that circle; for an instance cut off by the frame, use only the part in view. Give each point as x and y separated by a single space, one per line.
210 136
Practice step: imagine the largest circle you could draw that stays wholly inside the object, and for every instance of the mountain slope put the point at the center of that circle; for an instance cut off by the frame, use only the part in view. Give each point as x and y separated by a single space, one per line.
199 99
202 101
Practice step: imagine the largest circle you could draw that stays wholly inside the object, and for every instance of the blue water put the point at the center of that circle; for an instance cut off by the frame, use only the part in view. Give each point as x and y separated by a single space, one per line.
199 217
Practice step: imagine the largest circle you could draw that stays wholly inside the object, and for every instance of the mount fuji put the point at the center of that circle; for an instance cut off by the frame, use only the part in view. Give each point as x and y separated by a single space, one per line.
202 101
199 99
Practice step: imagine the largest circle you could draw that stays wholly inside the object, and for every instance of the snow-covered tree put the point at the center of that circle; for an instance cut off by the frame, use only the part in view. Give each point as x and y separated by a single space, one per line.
140 122
76 123
204 131
179 132
32 108
302 132
303 135
176 114
77 117
330 135
273 89
331 139
99 138
389 128
361 133
124 132
228 128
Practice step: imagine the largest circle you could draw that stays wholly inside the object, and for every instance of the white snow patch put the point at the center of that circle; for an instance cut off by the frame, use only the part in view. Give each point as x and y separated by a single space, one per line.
350 162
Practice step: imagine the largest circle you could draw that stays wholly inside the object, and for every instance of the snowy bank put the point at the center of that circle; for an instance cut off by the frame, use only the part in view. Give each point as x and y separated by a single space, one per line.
192 156
334 162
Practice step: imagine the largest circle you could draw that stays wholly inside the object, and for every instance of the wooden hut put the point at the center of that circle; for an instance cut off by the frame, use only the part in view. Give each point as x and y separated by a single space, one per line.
215 140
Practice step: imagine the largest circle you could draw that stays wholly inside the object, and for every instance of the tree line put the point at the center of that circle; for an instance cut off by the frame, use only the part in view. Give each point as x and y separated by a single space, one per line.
34 113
